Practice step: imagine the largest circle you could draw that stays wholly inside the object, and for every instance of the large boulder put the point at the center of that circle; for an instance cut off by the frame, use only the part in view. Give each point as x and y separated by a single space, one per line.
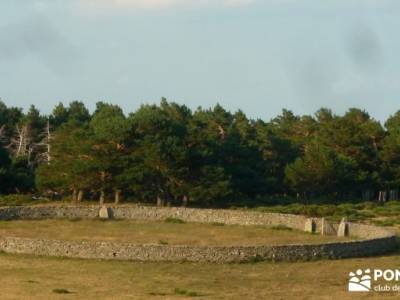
105 213
343 229
310 226
327 228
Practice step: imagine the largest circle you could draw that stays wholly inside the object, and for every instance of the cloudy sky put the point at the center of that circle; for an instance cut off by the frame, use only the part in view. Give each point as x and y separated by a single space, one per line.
257 55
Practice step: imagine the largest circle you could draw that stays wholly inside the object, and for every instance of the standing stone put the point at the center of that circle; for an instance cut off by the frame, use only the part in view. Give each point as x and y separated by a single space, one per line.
104 213
310 226
327 228
343 229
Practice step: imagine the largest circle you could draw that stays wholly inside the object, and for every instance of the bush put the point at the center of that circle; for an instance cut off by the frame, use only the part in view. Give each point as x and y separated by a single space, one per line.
354 212
61 291
254 259
281 227
387 222
174 221
182 292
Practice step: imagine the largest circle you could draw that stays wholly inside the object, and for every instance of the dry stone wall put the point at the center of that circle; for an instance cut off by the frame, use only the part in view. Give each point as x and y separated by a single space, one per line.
229 217
375 241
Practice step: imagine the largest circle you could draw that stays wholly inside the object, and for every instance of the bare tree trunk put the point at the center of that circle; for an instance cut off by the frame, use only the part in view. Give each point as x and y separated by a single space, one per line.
382 197
48 154
80 196
21 141
74 194
102 194
160 202
117 197
185 201
102 197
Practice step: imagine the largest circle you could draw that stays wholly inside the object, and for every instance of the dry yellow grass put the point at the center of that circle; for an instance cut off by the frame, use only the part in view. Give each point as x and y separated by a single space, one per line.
29 277
157 232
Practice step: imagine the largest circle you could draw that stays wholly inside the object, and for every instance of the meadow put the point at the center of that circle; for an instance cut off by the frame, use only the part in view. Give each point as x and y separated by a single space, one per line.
29 277
170 231
32 277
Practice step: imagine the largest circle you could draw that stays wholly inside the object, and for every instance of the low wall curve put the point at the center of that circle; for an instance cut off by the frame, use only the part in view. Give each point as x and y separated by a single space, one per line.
374 240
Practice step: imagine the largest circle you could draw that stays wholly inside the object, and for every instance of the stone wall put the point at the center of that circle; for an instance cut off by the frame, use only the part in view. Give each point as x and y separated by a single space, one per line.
229 217
375 241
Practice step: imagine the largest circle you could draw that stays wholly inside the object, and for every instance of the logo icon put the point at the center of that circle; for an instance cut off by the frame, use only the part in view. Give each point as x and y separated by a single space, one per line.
360 281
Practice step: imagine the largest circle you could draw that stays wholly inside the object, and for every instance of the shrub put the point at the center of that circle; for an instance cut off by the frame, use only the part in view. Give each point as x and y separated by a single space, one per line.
61 291
387 222
255 259
182 292
157 294
17 200
281 227
174 220
217 224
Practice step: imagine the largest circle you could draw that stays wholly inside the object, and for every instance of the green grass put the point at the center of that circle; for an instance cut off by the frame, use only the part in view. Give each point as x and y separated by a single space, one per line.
353 211
19 200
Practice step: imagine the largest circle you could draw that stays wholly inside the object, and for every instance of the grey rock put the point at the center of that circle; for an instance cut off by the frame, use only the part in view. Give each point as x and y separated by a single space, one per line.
104 213
327 228
343 229
310 226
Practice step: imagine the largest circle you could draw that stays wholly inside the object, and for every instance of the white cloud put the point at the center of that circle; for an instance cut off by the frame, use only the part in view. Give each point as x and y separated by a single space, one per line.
158 4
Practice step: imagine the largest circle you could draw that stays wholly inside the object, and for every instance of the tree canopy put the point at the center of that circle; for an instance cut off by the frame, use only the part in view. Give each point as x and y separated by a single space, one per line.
169 154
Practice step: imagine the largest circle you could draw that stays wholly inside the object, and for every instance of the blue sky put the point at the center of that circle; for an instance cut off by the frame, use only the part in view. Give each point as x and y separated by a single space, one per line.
256 55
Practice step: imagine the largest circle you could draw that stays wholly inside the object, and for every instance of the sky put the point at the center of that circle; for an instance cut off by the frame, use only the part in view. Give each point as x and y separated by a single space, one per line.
259 56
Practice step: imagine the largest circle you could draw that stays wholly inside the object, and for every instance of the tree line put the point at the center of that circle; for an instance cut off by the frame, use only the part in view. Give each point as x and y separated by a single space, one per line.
169 154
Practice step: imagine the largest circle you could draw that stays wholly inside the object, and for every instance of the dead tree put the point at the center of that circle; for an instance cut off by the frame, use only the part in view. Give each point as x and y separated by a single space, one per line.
382 197
21 142
45 144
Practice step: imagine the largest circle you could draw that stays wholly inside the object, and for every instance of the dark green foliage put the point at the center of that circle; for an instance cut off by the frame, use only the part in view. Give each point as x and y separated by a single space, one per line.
5 164
169 155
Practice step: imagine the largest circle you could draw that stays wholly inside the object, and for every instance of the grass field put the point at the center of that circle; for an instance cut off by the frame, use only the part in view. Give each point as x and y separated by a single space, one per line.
29 277
168 232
